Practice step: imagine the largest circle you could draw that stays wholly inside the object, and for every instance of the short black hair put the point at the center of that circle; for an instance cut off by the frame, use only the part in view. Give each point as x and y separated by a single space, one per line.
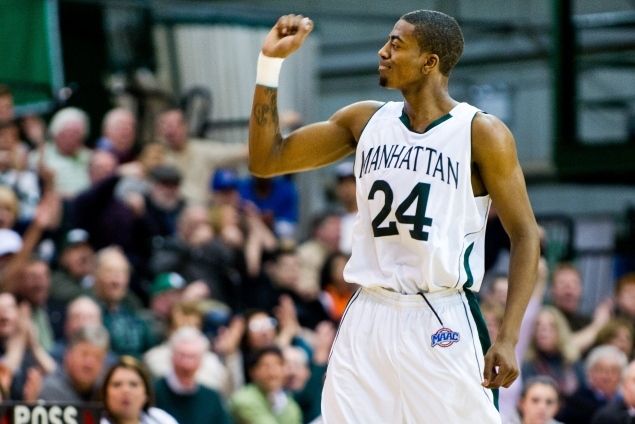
438 33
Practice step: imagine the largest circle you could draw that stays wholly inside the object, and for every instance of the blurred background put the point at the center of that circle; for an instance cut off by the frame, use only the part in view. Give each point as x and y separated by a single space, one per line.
558 72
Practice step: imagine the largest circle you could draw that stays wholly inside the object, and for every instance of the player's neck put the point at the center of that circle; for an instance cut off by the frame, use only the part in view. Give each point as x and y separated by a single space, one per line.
427 102
423 110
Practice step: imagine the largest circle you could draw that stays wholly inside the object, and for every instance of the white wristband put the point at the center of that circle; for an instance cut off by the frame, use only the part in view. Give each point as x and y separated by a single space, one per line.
268 70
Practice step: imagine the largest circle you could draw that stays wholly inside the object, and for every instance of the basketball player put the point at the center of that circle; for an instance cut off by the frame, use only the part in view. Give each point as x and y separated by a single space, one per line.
410 346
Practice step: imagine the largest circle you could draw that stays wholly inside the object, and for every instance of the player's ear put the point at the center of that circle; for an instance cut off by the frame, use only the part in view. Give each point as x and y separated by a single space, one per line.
430 61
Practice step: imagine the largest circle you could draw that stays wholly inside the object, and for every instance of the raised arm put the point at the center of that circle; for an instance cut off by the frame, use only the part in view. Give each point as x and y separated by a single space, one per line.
308 147
494 154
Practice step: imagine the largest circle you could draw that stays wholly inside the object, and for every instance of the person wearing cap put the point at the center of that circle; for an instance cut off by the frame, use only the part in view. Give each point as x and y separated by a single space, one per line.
196 159
224 186
163 201
75 274
278 202
165 291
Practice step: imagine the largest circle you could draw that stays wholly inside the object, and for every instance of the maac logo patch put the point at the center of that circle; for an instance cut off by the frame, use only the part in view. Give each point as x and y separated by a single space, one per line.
445 337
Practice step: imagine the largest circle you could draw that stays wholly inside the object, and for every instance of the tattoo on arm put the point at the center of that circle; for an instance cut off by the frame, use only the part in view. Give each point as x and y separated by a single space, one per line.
266 113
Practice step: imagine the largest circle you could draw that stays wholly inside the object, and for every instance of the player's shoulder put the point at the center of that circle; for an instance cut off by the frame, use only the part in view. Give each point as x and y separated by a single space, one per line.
489 131
356 115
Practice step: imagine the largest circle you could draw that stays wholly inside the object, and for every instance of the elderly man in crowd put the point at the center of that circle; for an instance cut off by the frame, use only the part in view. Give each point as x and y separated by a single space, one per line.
129 333
78 380
66 155
179 393
604 367
119 131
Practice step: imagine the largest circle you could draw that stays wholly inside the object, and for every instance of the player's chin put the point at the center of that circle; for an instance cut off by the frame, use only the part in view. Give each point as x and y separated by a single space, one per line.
385 82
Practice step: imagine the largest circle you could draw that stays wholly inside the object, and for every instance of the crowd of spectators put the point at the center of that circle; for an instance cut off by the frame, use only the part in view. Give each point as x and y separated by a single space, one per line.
163 269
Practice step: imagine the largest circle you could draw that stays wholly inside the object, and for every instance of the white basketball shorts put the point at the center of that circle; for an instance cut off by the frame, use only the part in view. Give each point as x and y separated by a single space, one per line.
397 359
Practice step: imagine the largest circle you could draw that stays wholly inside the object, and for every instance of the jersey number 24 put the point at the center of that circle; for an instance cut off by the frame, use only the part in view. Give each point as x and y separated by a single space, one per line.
419 193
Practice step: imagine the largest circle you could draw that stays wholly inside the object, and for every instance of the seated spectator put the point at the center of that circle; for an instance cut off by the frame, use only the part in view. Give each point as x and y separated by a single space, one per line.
212 372
66 155
163 202
179 393
129 333
263 330
277 200
224 186
166 291
19 250
196 254
620 410
284 274
625 297
81 312
618 332
566 292
128 396
196 159
551 352
264 400
21 351
34 290
603 367
22 182
84 359
75 273
539 402
110 220
119 131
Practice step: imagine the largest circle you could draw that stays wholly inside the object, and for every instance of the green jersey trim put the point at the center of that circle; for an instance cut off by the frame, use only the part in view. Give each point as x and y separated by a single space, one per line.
406 121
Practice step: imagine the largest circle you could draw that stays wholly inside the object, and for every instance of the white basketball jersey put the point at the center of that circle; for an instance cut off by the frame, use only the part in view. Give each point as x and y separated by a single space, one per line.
419 225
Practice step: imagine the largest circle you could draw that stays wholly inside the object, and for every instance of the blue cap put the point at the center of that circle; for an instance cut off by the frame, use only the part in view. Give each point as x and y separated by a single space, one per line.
224 179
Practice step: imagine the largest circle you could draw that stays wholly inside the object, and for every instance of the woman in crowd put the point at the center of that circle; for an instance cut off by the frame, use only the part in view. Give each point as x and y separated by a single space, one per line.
539 402
552 353
127 395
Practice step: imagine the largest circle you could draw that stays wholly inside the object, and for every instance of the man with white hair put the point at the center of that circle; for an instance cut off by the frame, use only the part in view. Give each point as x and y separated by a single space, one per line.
67 154
621 409
179 393
119 131
603 367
